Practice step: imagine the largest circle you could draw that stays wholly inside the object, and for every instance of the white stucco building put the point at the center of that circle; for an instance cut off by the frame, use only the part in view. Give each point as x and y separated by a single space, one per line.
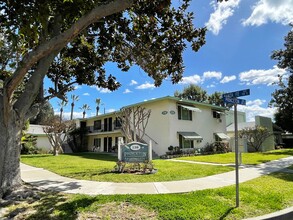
42 138
184 123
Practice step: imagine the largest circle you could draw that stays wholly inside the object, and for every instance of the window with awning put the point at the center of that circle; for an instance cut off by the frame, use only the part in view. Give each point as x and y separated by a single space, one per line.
221 137
185 112
186 139
190 135
191 108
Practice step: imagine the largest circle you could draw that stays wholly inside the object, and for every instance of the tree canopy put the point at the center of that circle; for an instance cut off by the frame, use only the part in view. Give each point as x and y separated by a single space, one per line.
282 98
198 94
69 42
151 34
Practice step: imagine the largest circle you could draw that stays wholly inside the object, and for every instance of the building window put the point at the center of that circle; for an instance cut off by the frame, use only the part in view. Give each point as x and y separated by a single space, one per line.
97 142
97 125
117 123
184 114
185 143
216 114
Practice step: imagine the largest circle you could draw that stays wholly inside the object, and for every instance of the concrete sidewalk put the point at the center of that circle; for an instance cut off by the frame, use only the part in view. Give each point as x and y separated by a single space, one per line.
51 181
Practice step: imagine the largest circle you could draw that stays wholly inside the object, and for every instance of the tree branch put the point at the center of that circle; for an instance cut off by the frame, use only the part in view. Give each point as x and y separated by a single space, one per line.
58 94
58 42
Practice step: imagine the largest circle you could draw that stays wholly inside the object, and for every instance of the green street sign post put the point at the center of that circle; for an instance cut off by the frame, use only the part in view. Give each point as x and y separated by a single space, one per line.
231 98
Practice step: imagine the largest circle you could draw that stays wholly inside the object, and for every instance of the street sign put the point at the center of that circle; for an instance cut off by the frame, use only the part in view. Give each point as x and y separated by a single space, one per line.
234 101
231 98
236 94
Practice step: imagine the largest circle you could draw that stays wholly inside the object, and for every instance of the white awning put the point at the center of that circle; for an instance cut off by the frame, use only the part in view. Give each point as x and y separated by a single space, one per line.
191 108
222 113
223 136
190 135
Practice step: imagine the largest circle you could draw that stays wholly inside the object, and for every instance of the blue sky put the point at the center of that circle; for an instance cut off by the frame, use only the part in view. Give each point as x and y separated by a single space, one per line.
242 35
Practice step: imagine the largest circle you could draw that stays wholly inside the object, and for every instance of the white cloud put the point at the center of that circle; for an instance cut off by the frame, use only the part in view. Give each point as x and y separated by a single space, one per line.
86 94
110 110
127 91
255 108
103 90
278 11
257 102
66 115
211 86
212 74
195 79
77 87
227 79
146 85
133 82
266 77
222 11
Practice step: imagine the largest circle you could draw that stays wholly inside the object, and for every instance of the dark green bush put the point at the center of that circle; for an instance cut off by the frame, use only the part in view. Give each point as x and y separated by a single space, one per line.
28 145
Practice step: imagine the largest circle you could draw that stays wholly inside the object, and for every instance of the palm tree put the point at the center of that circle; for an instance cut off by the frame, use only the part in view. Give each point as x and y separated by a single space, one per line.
85 108
74 98
216 99
98 101
62 104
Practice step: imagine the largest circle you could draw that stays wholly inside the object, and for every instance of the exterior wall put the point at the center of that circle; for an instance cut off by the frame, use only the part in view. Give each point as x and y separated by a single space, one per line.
42 139
163 128
164 125
43 143
158 127
269 143
241 117
102 133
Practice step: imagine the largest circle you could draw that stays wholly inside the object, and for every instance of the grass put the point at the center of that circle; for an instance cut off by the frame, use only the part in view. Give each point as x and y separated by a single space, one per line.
257 197
247 158
98 167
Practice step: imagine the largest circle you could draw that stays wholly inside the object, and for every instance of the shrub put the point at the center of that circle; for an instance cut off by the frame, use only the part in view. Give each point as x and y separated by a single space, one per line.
170 148
28 146
216 147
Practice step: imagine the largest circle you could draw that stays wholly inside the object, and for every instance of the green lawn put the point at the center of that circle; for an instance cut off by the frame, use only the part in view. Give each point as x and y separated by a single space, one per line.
257 197
247 158
98 167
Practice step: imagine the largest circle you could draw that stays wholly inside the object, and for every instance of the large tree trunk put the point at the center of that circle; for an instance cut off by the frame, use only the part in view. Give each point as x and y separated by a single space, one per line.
10 137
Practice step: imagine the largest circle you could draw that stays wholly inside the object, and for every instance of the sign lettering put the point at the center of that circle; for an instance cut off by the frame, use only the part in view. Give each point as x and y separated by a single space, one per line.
135 152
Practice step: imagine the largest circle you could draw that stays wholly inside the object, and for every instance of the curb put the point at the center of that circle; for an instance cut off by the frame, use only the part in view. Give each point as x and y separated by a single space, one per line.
285 214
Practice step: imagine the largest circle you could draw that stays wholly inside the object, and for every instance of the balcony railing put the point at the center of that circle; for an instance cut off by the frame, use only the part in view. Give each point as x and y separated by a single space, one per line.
104 128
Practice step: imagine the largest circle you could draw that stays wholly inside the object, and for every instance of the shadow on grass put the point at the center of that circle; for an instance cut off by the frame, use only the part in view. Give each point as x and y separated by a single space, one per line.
52 206
36 155
86 155
283 175
95 156
227 213
280 152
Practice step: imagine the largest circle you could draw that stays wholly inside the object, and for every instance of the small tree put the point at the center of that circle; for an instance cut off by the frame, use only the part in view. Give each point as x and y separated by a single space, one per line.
134 121
255 136
57 133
